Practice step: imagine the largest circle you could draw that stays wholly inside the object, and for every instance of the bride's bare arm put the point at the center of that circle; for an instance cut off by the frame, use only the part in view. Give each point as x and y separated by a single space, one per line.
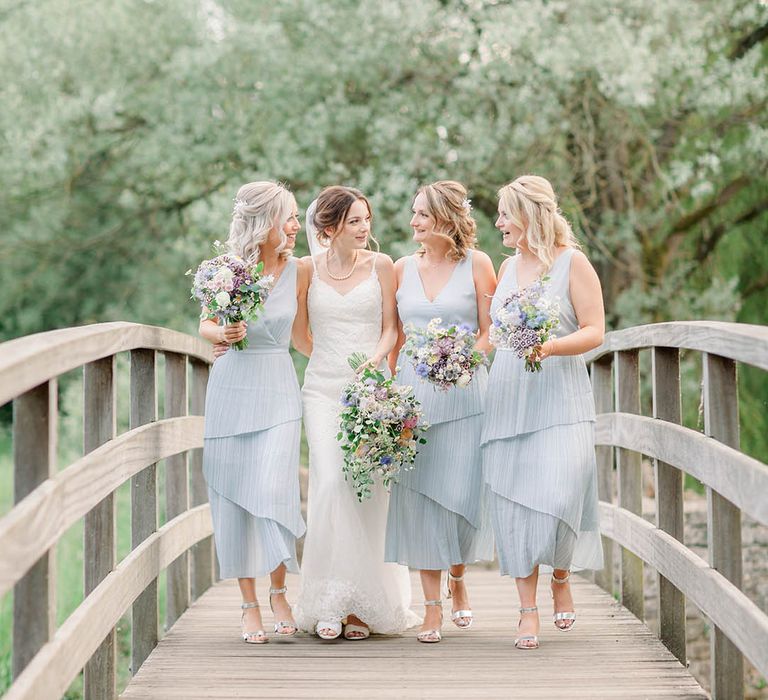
300 334
385 269
400 340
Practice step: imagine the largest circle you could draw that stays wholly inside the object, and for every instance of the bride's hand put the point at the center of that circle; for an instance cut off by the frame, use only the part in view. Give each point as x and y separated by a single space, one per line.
371 363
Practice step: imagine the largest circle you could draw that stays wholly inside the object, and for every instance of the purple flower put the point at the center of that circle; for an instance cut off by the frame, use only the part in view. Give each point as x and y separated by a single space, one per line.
386 459
422 369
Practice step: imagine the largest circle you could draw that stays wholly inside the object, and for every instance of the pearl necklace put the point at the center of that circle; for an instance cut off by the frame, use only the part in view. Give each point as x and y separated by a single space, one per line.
343 277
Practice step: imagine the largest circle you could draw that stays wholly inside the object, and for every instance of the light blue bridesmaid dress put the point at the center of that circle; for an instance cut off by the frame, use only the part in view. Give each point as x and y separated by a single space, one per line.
436 514
251 447
539 449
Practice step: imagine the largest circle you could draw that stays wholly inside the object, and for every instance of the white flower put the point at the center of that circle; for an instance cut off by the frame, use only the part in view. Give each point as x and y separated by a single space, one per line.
222 299
463 380
223 276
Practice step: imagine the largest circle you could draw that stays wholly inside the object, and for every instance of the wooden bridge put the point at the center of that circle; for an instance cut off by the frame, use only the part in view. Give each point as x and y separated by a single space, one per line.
610 653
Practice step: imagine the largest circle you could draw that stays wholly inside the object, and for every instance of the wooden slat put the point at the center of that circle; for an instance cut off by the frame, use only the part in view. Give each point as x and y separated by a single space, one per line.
29 361
741 342
728 608
144 613
740 478
721 421
608 654
202 553
669 496
99 544
630 478
602 387
34 461
49 674
176 486
37 522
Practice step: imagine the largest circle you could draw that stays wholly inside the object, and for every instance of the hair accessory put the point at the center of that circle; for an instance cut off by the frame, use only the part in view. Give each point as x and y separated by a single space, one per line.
466 205
239 209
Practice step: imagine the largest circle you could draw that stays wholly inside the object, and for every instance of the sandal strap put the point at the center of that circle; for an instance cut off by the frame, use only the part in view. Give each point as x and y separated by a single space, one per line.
253 604
561 580
455 578
564 616
529 610
461 613
433 602
278 591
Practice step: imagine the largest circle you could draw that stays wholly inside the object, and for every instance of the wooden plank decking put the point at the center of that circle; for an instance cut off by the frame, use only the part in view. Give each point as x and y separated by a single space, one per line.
609 654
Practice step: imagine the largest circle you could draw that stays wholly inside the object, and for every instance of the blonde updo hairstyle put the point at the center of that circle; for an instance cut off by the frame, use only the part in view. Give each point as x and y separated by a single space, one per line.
447 203
532 206
333 205
259 208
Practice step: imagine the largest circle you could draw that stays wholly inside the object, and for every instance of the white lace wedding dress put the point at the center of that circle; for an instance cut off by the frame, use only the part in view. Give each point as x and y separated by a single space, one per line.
343 570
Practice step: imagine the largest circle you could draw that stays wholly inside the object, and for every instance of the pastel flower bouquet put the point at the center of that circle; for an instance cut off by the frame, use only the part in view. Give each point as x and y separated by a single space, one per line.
444 356
525 321
381 426
230 290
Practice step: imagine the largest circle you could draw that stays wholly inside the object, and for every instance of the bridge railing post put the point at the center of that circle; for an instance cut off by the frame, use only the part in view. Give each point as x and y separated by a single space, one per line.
721 421
202 552
630 478
602 387
176 486
34 458
669 495
99 543
144 612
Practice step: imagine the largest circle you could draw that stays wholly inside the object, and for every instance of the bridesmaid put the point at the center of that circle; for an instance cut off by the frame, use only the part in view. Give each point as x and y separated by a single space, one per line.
253 417
436 519
538 437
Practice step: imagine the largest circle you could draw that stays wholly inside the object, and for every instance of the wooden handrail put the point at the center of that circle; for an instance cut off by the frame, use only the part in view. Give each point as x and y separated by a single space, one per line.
47 502
742 479
37 522
736 483
732 611
30 361
49 674
740 342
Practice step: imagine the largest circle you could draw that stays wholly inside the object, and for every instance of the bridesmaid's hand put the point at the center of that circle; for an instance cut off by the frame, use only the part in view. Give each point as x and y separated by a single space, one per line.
542 352
232 332
219 349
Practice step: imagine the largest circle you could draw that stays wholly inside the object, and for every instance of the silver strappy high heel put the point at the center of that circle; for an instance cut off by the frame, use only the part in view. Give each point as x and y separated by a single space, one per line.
568 618
432 636
532 638
257 637
458 614
282 625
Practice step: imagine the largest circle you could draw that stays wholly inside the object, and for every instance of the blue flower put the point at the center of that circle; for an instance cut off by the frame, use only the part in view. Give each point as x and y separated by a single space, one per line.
386 459
422 369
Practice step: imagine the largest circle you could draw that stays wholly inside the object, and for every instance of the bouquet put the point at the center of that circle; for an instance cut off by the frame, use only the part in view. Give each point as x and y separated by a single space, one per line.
231 290
381 424
444 356
525 321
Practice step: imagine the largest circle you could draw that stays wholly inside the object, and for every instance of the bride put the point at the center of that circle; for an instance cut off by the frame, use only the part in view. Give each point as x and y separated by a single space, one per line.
351 308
